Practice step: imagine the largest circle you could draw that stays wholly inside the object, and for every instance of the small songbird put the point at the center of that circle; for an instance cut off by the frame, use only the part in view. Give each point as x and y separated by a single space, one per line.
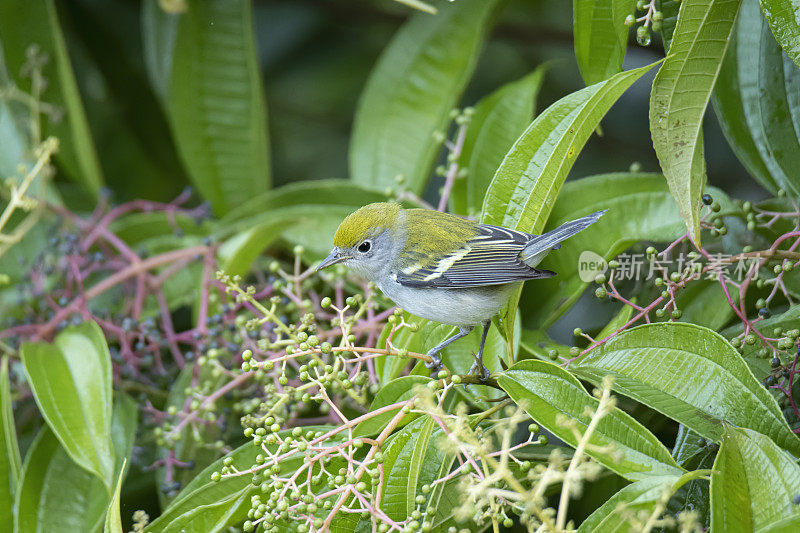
443 267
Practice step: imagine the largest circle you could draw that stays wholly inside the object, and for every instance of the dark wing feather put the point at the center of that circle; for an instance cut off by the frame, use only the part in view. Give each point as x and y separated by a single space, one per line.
492 257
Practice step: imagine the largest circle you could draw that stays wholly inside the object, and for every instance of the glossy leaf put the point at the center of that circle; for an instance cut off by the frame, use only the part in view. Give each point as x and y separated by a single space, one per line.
412 458
547 391
640 207
123 430
615 514
187 447
690 374
786 320
693 452
74 499
403 457
680 94
397 390
669 10
214 98
782 16
10 462
71 382
409 95
38 24
703 302
498 121
211 507
524 188
757 105
601 36
113 521
753 484
310 211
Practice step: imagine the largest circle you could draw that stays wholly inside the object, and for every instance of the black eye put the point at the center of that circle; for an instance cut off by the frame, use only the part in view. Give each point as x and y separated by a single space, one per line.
364 247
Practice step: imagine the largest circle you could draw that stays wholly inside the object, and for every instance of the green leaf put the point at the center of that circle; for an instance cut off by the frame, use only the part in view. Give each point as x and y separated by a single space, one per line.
410 93
211 507
113 522
753 484
397 390
756 103
693 453
690 374
547 391
640 207
413 457
786 320
601 36
71 383
214 98
498 121
524 188
188 447
782 18
680 94
616 514
38 24
669 10
306 211
10 462
55 494
123 429
703 302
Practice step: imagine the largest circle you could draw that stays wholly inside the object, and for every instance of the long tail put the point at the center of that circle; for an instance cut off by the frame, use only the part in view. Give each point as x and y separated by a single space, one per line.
540 245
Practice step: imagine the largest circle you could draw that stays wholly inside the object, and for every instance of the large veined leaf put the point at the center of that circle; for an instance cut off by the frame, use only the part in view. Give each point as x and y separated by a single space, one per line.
601 36
498 121
305 213
404 460
616 514
757 105
395 391
55 494
208 506
753 484
692 375
35 22
693 452
416 82
10 462
785 25
71 382
640 207
524 188
786 320
680 94
214 99
620 443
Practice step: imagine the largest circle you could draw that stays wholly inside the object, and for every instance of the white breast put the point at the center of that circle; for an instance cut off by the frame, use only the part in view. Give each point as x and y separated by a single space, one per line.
457 307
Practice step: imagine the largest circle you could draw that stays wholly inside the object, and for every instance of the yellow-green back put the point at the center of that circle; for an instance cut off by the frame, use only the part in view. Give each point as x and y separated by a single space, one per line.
435 234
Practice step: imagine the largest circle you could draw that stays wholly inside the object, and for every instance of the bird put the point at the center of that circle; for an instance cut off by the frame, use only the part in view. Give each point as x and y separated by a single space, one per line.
443 267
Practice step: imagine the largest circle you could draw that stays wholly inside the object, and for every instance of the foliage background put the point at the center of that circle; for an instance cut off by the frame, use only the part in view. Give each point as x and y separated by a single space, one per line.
146 100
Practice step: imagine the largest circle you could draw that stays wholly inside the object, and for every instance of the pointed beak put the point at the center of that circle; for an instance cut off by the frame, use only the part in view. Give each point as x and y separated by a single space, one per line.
334 257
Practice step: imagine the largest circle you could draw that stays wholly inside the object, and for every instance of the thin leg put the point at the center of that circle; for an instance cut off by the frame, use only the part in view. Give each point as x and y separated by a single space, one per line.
478 368
433 353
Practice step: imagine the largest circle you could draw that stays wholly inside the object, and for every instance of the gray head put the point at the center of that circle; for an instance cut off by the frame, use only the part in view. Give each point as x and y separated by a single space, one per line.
368 241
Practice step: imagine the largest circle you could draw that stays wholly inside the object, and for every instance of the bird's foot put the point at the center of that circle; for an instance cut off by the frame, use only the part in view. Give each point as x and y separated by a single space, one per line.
479 369
435 364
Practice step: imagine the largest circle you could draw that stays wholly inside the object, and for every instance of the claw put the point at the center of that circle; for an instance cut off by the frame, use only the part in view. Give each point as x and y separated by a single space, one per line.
435 364
480 370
